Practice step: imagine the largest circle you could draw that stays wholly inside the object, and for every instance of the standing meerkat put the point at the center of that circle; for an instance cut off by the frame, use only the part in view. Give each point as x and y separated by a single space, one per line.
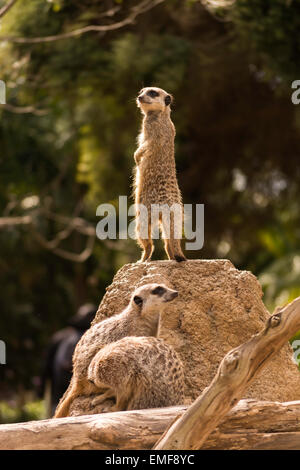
139 373
139 318
155 176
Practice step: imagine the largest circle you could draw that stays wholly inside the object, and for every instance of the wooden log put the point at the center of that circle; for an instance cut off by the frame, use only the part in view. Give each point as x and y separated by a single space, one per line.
236 371
249 425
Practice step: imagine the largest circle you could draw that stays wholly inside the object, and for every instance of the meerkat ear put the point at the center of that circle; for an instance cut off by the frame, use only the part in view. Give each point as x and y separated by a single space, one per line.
158 291
168 100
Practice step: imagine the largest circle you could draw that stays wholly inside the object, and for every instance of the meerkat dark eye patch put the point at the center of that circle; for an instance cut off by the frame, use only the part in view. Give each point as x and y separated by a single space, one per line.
152 93
159 291
168 100
138 300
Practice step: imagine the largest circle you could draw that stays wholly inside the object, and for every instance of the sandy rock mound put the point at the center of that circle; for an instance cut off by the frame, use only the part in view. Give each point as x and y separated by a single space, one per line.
218 308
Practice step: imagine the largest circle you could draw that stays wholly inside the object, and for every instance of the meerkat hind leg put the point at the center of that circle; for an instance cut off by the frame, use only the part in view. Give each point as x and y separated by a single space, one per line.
178 254
148 247
108 394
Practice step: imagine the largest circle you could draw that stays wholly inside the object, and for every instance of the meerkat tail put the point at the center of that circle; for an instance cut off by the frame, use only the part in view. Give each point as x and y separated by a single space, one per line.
143 372
108 370
155 176
178 254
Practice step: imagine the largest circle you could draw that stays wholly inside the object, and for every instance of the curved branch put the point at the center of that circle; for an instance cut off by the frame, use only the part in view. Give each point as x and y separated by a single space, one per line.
236 371
143 7
11 221
212 6
66 232
72 224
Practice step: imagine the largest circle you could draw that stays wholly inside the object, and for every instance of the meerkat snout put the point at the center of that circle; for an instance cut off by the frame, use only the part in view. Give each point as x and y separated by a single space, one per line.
140 318
155 176
171 296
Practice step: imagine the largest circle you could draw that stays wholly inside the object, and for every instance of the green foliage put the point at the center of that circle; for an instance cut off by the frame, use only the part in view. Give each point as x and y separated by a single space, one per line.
281 280
271 28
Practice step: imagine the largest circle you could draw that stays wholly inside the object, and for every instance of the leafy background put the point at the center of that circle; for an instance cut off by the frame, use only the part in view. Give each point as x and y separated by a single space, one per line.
230 66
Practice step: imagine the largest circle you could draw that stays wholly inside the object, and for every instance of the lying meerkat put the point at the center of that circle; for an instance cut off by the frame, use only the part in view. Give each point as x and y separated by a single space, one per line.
155 176
138 373
139 318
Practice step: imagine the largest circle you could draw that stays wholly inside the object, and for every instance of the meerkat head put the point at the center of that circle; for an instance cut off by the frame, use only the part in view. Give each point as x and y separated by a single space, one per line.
153 99
150 299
